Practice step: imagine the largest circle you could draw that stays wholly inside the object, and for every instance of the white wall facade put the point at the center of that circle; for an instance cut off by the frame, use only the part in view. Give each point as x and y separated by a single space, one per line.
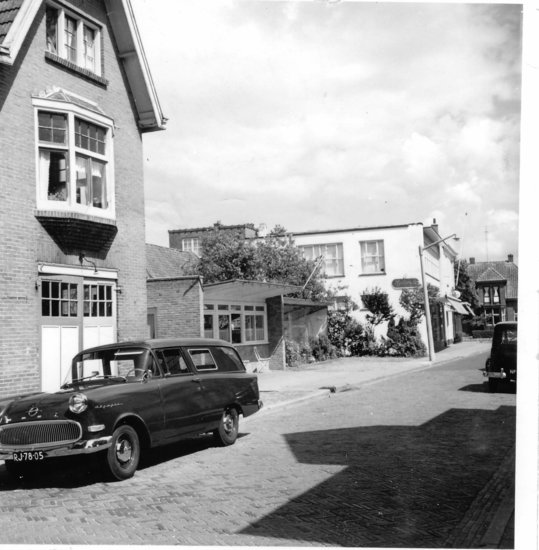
401 261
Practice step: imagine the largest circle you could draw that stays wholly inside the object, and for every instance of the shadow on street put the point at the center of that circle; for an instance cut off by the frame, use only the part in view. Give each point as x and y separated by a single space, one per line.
80 471
400 487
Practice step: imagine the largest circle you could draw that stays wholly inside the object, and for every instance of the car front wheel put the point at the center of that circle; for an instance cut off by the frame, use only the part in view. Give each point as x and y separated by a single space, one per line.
227 432
124 454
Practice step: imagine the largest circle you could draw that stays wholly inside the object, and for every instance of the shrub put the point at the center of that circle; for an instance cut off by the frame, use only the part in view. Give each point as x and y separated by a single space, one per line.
403 340
292 353
343 332
377 302
321 348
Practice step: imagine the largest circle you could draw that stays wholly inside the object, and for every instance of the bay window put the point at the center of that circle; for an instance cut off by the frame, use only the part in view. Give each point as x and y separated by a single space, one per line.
74 169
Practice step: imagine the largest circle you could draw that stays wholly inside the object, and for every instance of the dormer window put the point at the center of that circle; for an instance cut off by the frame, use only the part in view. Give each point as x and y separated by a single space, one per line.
73 38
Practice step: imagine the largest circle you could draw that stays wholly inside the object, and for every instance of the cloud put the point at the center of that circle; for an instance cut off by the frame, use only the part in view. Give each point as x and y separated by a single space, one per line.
314 114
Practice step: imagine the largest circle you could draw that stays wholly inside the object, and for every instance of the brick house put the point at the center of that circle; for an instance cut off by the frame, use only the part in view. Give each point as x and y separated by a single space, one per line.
76 96
190 239
355 260
496 286
255 316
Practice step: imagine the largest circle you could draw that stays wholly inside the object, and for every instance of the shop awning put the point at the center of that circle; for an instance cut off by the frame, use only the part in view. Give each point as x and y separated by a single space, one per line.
246 291
458 307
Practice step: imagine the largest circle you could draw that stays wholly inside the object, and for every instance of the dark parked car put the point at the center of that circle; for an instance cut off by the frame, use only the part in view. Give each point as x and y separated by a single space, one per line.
121 399
501 366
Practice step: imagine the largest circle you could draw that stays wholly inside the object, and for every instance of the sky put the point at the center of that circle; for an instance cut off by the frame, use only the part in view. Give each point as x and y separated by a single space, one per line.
328 114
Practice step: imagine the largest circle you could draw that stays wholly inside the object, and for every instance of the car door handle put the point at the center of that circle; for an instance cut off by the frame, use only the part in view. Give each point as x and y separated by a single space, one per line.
197 380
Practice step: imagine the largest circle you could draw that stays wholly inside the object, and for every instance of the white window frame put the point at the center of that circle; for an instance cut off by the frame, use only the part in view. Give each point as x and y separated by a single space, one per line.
259 310
72 111
321 249
81 22
380 254
191 244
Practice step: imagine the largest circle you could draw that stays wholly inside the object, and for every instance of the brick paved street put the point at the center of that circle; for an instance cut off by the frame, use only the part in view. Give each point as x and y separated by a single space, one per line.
402 462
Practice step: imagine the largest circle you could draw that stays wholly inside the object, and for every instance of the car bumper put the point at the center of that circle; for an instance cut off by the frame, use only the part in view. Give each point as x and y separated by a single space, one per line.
502 375
80 447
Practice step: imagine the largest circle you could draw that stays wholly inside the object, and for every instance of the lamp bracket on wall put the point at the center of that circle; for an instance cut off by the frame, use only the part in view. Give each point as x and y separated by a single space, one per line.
83 258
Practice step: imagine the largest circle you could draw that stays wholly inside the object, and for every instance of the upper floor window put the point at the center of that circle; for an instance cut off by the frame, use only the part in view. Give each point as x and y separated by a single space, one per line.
491 295
73 38
372 257
331 254
74 169
191 245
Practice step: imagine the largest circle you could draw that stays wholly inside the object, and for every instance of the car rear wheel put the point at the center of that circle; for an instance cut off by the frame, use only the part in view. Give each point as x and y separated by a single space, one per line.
124 454
227 432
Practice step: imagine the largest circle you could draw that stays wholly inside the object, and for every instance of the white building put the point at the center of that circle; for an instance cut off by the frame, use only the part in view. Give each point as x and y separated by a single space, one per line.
358 259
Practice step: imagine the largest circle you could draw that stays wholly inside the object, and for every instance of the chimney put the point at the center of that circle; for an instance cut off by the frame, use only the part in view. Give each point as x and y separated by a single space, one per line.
434 225
472 261
510 258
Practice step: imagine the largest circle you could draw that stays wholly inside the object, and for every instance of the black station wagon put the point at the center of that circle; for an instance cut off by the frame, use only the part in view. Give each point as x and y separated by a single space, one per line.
123 398
501 366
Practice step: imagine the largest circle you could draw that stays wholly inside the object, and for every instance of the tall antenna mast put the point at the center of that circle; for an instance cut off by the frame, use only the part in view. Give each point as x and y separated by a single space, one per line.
486 240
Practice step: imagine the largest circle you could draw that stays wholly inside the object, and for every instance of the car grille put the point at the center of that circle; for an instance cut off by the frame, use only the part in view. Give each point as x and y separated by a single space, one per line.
44 434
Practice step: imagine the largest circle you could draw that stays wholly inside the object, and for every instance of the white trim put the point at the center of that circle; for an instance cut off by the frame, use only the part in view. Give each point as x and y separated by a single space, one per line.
18 30
82 19
72 111
87 272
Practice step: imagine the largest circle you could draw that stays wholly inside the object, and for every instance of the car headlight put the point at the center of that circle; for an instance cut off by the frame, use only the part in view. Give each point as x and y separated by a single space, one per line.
78 403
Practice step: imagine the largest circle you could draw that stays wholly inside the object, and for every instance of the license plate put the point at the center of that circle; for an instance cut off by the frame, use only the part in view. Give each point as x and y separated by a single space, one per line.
28 456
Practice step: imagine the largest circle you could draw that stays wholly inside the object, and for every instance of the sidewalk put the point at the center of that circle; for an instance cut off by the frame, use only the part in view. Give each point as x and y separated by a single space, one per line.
287 387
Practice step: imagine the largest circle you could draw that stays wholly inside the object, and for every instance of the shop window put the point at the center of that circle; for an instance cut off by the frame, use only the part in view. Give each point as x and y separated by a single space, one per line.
372 257
73 38
331 256
235 323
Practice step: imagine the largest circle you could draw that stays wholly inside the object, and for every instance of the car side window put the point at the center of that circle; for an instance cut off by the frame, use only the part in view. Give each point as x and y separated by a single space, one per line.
172 362
228 360
202 359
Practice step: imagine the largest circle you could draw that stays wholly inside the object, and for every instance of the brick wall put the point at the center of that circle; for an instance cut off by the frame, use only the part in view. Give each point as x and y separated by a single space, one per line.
24 242
178 306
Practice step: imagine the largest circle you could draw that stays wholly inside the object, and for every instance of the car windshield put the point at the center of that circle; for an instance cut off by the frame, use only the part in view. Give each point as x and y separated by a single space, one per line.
125 365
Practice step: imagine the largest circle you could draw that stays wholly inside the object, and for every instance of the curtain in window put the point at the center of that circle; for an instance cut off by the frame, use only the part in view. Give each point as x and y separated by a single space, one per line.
53 174
83 195
71 39
99 191
89 49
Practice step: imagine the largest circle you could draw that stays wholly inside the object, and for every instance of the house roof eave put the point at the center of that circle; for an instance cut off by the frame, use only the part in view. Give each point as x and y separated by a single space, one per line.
18 30
131 52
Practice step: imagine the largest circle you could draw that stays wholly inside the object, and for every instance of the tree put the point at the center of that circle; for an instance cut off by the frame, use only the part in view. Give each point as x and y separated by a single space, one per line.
226 255
465 284
413 300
